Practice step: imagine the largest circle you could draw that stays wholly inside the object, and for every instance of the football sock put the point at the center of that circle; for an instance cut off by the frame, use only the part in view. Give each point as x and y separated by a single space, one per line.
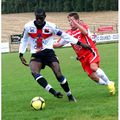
45 85
101 82
68 93
64 85
102 75
43 82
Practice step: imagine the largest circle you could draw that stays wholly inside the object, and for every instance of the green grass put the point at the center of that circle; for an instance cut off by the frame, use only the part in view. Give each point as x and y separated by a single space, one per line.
93 101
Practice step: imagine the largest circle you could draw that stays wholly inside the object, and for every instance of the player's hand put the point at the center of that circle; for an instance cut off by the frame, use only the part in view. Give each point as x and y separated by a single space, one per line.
23 60
73 20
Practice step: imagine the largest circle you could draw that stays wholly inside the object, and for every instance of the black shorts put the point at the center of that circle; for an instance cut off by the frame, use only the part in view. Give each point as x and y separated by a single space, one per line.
46 57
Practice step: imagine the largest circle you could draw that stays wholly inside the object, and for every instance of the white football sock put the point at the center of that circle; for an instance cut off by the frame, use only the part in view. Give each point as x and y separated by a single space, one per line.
102 75
101 82
68 93
48 87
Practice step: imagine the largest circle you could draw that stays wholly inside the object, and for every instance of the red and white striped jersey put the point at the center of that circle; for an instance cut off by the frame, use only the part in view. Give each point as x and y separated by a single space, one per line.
41 39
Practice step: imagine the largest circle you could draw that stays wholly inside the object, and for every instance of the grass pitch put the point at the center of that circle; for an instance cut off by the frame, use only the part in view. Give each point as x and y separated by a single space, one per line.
93 101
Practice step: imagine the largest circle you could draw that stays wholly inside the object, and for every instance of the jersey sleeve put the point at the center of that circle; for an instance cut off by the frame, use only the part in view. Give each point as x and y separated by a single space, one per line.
24 41
65 37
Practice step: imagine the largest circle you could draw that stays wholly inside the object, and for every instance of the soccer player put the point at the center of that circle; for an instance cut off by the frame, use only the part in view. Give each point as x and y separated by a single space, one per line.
89 58
40 34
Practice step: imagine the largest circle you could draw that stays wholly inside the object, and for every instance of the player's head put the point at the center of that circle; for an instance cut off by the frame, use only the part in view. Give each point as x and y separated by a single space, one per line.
75 16
40 16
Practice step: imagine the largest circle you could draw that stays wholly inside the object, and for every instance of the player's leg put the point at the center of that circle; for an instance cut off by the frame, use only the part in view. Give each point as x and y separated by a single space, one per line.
95 78
103 77
35 70
94 61
63 82
91 73
100 73
94 75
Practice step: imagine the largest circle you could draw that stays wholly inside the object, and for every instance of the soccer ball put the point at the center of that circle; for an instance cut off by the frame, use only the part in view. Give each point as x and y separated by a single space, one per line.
38 103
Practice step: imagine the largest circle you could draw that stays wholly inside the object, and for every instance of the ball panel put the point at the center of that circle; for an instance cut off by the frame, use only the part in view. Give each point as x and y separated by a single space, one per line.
43 105
41 99
35 98
38 103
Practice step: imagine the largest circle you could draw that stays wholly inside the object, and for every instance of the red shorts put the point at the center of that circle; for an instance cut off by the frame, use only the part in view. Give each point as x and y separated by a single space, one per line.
87 60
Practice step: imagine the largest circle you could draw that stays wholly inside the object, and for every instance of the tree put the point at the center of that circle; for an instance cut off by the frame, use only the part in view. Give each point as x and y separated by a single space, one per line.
113 4
16 6
88 5
101 5
107 4
67 5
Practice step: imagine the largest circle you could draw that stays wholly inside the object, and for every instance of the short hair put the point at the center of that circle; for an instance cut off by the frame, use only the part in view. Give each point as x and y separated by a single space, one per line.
73 14
40 11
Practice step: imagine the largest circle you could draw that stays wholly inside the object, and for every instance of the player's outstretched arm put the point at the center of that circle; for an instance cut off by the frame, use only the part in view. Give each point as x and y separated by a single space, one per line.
57 45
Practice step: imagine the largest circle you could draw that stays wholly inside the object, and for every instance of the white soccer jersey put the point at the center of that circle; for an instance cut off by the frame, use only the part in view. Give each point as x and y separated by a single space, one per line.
42 38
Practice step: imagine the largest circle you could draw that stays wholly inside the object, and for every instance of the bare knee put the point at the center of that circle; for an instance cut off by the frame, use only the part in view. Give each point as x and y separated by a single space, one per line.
94 66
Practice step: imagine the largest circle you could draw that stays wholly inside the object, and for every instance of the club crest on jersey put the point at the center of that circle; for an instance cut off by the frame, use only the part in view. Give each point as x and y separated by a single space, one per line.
32 30
46 31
